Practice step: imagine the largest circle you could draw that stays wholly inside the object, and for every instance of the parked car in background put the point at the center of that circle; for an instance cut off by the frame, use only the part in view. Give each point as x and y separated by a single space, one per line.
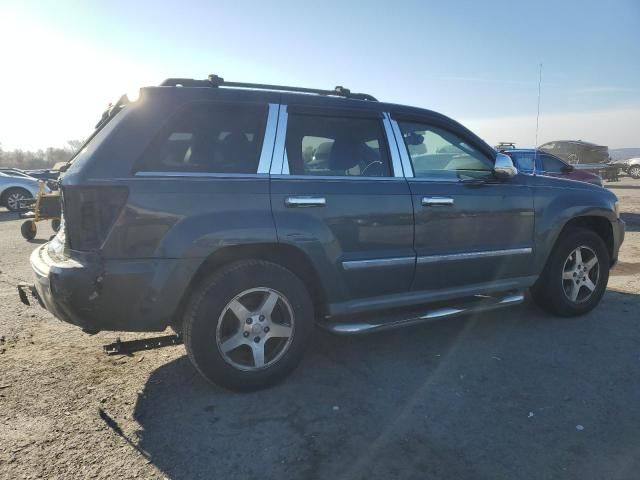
243 215
528 160
43 174
577 151
630 166
50 176
15 172
16 186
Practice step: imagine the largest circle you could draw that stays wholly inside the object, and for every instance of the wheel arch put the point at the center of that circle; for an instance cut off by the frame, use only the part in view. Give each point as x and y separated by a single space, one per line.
600 225
285 255
11 188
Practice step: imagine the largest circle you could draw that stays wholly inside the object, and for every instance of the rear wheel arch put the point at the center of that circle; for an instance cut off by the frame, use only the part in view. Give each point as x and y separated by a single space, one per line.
287 256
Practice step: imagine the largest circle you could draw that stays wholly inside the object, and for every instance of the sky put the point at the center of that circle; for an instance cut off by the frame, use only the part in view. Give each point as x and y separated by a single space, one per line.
62 62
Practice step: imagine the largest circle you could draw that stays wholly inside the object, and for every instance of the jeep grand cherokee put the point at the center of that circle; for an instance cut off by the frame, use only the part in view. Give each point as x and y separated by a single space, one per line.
242 215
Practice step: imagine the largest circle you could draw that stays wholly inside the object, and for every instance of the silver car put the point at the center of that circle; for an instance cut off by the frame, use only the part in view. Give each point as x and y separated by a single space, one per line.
631 166
16 186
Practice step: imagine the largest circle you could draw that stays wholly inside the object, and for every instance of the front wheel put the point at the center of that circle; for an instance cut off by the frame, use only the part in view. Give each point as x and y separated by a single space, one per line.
634 171
247 326
575 276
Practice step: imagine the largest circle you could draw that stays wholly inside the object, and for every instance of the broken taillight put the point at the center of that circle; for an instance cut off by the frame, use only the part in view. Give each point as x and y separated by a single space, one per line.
90 212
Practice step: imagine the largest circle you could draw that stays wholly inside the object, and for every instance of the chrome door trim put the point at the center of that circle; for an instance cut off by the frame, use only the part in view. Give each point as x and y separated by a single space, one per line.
437 201
402 148
170 174
394 149
474 255
377 263
305 201
341 178
279 151
264 165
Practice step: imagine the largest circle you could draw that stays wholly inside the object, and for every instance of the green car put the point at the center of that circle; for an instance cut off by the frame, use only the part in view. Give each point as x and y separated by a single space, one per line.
246 215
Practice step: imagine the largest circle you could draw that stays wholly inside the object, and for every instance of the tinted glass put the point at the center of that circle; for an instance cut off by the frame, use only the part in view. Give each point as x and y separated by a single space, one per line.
551 164
336 146
524 161
437 153
212 138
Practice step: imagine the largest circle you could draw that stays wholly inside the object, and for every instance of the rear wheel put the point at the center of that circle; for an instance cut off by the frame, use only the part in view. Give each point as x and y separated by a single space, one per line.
576 274
635 171
14 196
28 230
247 326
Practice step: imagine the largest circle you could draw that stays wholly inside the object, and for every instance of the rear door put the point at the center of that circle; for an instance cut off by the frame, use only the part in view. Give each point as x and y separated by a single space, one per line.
471 228
337 195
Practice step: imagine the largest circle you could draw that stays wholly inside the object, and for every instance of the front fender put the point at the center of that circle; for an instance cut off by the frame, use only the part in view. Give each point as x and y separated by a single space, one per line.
557 202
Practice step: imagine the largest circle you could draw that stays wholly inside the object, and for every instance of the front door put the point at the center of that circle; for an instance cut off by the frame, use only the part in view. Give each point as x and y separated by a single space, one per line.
470 228
337 198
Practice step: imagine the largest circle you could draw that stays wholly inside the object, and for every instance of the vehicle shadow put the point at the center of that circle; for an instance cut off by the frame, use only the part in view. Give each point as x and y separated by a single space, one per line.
496 395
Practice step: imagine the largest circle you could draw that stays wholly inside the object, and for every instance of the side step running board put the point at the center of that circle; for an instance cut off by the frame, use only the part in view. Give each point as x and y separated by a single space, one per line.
480 304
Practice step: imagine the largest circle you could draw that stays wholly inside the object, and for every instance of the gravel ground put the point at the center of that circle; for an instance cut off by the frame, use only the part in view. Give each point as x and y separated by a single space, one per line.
512 394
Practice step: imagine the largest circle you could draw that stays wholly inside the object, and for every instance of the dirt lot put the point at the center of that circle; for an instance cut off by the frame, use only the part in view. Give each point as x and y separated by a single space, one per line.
515 394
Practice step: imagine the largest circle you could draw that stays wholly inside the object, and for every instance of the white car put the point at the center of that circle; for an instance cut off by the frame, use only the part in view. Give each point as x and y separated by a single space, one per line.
631 166
16 186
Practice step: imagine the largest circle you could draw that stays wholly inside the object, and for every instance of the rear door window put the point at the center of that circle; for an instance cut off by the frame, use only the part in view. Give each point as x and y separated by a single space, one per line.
209 138
336 146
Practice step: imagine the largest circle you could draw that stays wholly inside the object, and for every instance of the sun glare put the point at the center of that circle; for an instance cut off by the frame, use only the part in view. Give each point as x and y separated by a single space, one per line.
84 77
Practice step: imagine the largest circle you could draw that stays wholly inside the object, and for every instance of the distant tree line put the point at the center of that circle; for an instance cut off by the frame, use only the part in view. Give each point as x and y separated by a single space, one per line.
32 160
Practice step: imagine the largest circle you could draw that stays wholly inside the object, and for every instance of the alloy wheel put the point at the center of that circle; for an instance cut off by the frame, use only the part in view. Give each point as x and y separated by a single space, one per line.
14 199
580 274
255 329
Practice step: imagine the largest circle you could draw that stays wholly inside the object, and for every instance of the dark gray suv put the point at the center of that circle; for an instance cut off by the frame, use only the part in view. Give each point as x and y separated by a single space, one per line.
242 215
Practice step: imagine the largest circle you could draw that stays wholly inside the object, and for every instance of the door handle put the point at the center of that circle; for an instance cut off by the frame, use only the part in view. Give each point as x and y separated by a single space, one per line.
437 201
296 202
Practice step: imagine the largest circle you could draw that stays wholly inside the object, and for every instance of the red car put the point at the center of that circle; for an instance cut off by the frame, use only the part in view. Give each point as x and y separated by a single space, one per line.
542 163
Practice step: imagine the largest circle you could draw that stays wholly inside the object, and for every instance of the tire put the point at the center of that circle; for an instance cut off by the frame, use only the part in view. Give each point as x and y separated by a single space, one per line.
210 323
634 171
12 198
55 224
562 276
28 230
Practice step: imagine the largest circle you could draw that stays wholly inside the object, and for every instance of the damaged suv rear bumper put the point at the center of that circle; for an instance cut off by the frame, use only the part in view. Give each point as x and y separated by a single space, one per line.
94 294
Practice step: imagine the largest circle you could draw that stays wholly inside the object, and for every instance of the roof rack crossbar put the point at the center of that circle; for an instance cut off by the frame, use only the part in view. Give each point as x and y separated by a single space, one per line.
216 81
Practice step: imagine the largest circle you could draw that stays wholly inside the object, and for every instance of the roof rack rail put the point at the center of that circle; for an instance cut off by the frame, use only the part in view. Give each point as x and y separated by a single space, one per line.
216 81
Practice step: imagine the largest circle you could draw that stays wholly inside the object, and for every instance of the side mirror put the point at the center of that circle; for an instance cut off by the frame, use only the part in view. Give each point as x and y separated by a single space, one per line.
503 167
567 169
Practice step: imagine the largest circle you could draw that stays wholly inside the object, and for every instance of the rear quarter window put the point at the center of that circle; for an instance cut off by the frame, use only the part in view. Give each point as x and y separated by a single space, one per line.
208 138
